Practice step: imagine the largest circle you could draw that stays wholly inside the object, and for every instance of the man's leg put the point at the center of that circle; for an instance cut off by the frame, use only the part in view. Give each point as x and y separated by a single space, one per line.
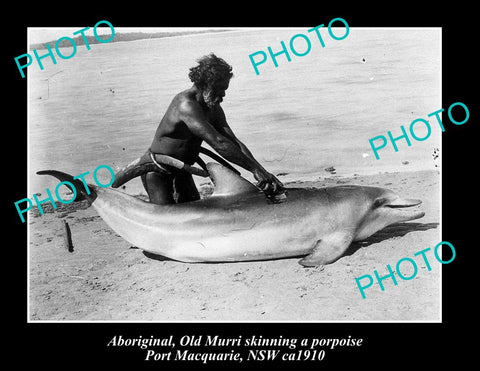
185 188
159 188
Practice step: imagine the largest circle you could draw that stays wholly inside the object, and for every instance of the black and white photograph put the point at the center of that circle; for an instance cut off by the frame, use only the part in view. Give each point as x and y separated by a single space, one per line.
316 187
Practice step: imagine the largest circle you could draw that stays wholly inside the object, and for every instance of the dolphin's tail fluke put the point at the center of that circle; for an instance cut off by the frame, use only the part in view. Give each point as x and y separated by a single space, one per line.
80 189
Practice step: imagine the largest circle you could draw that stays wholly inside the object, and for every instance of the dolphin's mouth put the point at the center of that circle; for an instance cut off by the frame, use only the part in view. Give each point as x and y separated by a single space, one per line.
403 203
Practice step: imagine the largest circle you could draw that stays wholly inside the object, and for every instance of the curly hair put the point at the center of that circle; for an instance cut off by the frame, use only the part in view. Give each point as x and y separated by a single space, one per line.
209 70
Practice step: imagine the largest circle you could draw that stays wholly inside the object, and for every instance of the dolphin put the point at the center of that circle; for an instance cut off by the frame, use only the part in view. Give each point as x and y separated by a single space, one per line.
236 223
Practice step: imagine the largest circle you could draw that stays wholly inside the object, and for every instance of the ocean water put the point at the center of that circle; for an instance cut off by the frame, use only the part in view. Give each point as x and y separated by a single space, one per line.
103 105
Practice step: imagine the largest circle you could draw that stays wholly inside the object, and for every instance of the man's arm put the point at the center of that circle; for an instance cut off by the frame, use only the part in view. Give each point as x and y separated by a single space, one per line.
224 128
192 115
263 176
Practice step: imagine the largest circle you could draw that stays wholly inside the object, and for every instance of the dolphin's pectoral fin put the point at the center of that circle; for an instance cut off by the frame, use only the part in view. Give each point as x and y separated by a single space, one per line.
327 250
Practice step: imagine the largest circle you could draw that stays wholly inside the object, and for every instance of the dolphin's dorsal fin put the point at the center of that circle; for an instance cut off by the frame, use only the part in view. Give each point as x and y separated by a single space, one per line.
227 183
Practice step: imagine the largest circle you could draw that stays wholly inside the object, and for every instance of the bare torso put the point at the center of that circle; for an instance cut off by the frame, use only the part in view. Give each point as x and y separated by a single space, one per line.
173 137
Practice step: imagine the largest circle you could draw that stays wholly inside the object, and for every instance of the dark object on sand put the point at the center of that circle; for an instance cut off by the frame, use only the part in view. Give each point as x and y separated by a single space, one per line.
67 236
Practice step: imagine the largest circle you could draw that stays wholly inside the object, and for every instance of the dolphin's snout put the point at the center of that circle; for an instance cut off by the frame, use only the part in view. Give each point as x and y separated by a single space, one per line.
400 208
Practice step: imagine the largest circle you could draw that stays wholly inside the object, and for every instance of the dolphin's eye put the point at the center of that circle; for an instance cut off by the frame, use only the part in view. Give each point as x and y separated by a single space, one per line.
379 202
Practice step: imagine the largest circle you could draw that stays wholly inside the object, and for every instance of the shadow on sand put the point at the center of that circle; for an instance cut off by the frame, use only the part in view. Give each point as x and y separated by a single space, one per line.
394 230
156 257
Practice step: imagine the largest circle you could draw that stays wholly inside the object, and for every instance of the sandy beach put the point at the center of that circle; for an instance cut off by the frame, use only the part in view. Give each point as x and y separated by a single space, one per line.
107 279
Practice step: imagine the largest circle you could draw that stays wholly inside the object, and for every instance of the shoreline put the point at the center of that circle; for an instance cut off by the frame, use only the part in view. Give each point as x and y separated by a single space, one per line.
131 36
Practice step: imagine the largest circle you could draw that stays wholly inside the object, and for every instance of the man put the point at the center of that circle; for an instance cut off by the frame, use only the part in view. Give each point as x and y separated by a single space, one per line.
194 116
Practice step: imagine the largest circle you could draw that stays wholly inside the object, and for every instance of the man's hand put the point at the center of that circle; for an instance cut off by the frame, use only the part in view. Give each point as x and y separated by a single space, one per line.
267 182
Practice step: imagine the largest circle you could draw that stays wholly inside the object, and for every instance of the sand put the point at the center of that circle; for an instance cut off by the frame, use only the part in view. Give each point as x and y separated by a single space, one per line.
107 279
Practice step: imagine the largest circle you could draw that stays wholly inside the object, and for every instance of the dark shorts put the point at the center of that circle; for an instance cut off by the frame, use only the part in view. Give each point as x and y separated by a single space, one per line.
174 186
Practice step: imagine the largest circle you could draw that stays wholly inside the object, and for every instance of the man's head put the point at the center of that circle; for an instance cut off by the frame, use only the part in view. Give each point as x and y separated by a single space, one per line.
212 76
